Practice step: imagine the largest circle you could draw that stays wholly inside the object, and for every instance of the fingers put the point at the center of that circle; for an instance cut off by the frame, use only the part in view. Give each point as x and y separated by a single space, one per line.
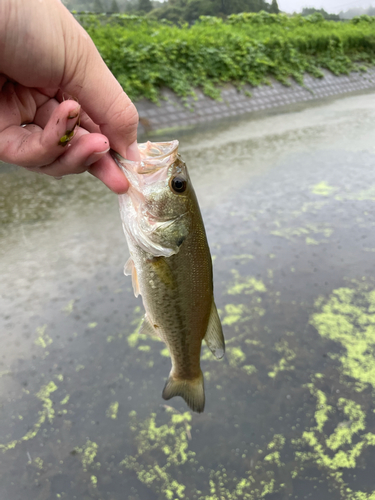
87 78
27 148
53 150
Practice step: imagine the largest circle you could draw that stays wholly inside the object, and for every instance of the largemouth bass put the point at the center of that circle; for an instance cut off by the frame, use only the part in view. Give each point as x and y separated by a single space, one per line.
170 264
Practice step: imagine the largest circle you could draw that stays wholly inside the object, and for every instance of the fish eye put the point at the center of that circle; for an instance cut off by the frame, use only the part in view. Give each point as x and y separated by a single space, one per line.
178 184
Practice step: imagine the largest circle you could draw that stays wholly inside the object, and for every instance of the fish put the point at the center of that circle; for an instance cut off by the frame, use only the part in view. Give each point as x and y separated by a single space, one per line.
170 264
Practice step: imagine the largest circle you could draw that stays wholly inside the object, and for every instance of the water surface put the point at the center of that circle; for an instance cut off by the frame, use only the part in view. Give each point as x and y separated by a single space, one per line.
288 202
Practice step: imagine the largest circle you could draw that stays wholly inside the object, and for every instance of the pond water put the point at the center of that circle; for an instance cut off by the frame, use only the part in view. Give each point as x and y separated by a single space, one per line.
288 202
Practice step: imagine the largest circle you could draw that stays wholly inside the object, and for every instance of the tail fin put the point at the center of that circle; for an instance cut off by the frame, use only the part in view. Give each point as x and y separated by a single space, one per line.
191 390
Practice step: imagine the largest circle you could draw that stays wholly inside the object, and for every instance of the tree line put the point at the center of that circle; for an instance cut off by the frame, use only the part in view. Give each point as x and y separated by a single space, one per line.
176 11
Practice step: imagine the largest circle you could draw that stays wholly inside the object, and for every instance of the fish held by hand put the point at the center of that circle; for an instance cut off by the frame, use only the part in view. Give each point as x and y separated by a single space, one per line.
170 264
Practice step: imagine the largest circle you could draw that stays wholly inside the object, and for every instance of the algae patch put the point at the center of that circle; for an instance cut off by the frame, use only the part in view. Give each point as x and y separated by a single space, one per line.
112 410
246 286
284 364
339 450
348 318
47 413
88 454
323 189
160 449
43 339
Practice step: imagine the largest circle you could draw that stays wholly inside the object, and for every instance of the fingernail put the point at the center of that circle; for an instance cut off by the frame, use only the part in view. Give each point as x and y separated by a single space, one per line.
132 152
71 124
74 113
95 157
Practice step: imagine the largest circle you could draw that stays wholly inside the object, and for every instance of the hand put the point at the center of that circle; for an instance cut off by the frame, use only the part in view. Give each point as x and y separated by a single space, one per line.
46 56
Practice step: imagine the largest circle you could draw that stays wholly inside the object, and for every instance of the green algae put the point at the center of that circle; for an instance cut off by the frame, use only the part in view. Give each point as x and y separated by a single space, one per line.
311 241
246 286
338 450
94 324
249 369
234 313
306 231
367 194
88 454
38 462
284 364
65 400
162 455
159 450
323 189
144 348
68 309
112 410
46 414
43 339
235 356
242 256
348 318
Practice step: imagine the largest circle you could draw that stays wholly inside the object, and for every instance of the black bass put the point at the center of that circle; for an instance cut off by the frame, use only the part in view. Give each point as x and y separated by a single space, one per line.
170 264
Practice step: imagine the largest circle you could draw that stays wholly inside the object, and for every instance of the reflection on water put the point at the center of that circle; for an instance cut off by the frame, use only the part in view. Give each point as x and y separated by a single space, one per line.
289 411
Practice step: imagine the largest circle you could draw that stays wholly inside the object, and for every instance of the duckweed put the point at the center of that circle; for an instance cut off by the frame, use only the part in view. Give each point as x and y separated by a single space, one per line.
112 410
235 356
47 413
234 313
160 448
284 364
246 286
348 318
323 189
43 339
88 453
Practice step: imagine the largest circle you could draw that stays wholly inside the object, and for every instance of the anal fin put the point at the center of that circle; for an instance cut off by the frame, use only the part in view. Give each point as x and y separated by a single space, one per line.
214 336
146 328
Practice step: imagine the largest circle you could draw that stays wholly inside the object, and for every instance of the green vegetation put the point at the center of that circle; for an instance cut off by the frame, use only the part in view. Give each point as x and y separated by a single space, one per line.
308 11
173 10
146 55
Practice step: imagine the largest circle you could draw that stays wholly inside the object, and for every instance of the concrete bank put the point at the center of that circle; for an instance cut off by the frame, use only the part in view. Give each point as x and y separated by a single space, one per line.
174 114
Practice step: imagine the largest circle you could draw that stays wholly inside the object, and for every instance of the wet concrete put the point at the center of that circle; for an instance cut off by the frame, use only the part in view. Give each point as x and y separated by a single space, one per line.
288 205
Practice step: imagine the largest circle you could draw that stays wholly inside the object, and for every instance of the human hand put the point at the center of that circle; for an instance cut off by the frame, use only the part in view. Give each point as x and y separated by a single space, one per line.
46 55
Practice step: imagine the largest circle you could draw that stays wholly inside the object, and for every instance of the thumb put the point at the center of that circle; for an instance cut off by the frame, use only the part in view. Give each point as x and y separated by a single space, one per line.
87 78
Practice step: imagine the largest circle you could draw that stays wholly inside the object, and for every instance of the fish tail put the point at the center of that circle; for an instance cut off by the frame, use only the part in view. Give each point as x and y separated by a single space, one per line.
191 390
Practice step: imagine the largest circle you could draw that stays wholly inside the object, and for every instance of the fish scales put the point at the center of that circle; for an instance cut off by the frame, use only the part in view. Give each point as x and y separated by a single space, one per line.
171 265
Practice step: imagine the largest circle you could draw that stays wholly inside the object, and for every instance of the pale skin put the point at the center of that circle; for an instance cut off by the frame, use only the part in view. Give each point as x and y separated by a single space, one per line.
51 75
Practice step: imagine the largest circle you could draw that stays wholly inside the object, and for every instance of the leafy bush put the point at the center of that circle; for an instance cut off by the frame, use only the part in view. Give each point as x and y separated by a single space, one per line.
146 55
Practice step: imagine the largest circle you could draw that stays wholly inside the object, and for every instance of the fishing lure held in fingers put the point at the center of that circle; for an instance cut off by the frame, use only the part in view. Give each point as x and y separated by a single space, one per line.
170 264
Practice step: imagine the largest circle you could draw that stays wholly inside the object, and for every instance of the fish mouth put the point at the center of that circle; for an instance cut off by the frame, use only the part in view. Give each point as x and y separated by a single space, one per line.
155 156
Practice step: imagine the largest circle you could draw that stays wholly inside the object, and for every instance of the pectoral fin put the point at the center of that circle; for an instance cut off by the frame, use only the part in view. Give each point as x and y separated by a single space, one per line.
214 336
129 269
